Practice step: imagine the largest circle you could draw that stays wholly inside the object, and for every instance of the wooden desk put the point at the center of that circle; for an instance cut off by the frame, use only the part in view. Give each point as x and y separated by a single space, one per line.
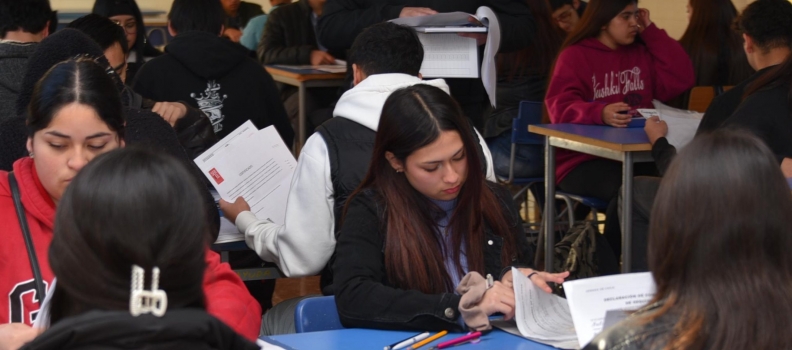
303 79
627 145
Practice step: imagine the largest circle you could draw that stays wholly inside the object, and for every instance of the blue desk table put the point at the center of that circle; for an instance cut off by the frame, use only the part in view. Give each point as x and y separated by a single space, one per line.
363 339
627 145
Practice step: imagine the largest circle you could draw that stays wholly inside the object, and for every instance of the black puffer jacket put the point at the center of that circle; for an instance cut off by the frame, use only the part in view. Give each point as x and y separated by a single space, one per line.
177 329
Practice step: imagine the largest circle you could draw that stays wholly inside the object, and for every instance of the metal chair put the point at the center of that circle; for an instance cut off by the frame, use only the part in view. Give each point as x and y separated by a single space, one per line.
316 314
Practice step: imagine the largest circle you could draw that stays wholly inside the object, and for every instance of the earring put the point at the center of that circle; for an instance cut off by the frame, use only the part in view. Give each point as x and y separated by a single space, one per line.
399 170
30 154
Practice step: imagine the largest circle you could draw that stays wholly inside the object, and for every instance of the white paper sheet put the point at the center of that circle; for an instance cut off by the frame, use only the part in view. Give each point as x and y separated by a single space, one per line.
448 57
541 315
511 327
256 165
591 298
682 124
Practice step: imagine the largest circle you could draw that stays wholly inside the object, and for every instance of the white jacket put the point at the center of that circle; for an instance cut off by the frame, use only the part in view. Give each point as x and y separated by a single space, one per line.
304 244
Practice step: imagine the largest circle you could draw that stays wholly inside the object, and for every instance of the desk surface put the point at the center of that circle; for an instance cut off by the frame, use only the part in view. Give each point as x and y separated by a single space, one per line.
303 74
617 139
353 339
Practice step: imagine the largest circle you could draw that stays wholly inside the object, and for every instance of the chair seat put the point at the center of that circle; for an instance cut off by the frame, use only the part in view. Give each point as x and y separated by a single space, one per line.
587 201
316 314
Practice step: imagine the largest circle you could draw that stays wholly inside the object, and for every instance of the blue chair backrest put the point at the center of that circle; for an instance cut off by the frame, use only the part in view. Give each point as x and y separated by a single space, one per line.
316 314
529 113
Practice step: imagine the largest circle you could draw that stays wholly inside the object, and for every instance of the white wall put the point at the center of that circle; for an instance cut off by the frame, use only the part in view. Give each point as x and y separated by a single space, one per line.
668 14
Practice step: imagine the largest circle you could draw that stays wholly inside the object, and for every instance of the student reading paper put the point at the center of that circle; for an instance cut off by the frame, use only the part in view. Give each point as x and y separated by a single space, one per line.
424 223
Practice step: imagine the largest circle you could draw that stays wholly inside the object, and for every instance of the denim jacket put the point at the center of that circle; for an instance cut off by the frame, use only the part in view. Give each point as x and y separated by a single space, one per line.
367 299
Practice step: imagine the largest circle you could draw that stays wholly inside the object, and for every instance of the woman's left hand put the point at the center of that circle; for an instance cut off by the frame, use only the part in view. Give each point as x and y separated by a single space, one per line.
540 279
643 19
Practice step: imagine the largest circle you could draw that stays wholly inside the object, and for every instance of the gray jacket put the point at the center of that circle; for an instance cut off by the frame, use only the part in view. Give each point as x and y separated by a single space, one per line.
13 63
633 334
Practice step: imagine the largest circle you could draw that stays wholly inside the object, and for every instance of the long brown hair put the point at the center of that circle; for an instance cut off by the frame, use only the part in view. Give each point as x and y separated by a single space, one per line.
538 58
719 246
598 14
412 118
713 46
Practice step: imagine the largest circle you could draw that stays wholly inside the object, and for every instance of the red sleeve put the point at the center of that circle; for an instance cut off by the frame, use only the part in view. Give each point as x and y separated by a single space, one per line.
228 299
671 65
566 96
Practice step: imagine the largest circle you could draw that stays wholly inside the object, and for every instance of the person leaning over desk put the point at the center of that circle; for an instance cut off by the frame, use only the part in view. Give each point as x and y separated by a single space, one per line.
421 230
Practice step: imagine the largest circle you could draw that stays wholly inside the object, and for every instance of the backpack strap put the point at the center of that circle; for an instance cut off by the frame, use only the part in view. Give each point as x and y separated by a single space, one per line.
20 210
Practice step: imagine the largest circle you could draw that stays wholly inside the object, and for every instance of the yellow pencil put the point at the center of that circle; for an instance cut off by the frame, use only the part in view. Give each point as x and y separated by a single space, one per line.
428 340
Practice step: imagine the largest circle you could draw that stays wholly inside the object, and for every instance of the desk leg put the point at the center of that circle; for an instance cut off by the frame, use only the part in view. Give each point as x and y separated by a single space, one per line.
549 209
626 212
300 119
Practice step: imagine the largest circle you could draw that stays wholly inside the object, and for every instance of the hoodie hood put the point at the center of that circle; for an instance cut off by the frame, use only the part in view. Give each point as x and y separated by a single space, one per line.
363 103
13 60
205 55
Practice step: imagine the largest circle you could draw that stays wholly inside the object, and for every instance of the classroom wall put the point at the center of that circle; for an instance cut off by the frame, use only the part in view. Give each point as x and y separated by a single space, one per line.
668 14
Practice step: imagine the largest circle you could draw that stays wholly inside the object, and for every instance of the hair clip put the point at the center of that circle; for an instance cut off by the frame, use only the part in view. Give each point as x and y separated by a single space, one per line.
141 301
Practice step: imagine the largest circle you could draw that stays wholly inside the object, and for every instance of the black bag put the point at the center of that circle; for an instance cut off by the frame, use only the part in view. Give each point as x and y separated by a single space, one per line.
576 253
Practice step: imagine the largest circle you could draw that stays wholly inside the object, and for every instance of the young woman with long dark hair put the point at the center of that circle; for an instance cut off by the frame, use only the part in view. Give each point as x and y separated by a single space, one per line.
75 114
719 246
421 225
616 60
715 48
118 214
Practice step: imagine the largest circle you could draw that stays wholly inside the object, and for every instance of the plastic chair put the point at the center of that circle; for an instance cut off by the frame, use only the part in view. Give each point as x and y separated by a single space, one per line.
529 112
702 96
316 314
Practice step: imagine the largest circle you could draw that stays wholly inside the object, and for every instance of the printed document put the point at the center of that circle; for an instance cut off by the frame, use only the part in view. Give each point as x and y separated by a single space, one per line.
452 56
591 298
541 316
682 124
254 164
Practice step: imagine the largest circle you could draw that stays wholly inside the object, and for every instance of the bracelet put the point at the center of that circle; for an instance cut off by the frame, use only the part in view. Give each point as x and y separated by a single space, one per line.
531 274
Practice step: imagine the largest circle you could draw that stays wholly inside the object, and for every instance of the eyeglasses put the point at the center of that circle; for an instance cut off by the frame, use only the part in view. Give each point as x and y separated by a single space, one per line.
129 27
564 16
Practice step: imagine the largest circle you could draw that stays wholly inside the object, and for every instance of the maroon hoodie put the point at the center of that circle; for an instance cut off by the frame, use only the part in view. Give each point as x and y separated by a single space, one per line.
589 75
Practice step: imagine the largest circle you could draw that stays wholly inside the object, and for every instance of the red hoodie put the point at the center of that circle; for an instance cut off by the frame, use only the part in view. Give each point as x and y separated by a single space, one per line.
226 295
589 75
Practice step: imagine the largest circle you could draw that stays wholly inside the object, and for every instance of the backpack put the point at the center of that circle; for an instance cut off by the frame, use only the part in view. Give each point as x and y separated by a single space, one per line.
576 253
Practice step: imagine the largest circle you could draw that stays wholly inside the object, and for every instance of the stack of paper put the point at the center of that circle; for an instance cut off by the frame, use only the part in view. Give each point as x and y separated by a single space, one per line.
452 56
682 124
255 165
572 323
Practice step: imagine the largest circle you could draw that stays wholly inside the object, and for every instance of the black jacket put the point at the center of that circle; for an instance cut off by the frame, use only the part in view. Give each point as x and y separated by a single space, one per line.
343 20
720 109
364 296
215 75
177 329
288 36
768 114
631 334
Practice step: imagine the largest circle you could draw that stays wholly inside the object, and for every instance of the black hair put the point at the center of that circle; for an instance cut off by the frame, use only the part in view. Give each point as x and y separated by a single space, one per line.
128 206
28 15
387 48
201 15
557 4
108 8
768 23
102 30
80 81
